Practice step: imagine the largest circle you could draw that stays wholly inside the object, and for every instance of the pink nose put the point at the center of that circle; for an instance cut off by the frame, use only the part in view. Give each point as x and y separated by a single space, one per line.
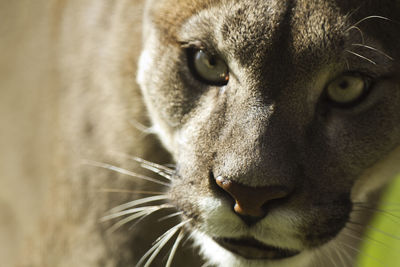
250 200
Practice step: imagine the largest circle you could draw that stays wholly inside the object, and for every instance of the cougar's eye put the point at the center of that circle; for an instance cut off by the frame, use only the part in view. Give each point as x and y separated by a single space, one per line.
209 69
347 89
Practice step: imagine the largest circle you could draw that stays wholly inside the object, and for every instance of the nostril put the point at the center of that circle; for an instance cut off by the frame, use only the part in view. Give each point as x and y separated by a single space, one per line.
251 201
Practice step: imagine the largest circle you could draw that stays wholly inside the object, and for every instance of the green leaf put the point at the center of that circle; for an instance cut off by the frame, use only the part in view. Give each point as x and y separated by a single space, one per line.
385 228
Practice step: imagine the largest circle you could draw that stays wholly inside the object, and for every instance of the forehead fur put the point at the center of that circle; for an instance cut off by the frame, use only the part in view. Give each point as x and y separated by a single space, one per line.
302 33
169 15
309 19
257 31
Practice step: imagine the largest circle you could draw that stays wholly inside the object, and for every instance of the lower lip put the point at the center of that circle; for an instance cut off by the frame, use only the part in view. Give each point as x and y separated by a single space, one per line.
250 248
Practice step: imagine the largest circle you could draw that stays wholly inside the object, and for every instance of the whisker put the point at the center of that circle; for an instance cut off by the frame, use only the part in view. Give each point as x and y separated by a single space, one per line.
115 190
363 253
383 232
374 241
346 254
347 64
125 212
376 229
138 202
168 170
170 166
157 171
159 244
386 213
359 30
352 12
151 166
123 171
131 218
358 55
331 257
170 216
318 254
374 49
174 248
155 165
179 225
338 251
130 211
387 203
186 241
140 215
371 17
381 204
142 128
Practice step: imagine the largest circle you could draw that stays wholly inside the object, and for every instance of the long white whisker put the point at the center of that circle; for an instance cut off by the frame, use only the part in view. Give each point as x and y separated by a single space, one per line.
159 244
170 216
131 218
374 49
358 55
155 165
174 248
123 171
126 212
179 225
138 202
146 162
130 211
138 215
116 190
157 171
157 247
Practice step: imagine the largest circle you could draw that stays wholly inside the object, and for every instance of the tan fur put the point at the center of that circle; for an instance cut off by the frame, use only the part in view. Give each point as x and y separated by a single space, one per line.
68 94
169 20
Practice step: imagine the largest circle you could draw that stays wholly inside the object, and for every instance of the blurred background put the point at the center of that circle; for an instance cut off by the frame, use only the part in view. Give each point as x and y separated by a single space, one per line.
26 121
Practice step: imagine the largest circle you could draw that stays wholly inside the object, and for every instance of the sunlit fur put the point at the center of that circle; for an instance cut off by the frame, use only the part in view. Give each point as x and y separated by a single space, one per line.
108 140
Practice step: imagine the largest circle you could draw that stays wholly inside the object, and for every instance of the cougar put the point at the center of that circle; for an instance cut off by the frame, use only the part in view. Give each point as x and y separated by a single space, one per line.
196 133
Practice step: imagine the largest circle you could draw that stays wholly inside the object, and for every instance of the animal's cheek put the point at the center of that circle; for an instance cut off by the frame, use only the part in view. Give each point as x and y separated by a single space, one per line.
376 175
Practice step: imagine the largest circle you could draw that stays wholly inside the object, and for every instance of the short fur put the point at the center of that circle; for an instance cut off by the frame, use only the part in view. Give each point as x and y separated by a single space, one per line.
70 79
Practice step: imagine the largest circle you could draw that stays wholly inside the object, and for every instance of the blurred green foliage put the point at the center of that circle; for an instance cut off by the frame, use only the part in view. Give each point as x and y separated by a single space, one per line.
381 245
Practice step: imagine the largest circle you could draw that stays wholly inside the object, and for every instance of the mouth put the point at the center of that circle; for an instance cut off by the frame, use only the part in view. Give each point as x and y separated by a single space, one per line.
250 248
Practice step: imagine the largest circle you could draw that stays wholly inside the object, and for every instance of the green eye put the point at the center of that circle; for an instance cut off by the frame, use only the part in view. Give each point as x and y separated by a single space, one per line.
347 89
209 69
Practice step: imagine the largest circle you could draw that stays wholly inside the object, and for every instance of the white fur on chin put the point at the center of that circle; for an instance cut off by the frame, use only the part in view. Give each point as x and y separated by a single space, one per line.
218 256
